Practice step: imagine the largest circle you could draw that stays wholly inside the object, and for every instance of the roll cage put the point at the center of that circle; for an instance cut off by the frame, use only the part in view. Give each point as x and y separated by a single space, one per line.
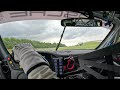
105 50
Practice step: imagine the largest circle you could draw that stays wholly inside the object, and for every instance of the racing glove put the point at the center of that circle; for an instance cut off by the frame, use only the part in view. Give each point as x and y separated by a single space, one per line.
33 64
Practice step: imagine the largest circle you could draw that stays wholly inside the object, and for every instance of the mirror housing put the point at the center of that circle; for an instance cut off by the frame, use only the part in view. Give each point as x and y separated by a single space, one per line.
81 22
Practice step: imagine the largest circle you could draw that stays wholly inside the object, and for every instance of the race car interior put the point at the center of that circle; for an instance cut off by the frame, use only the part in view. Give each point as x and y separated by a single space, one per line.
101 63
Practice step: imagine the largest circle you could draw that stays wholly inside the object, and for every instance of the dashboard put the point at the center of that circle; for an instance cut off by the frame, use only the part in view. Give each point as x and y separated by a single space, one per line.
65 63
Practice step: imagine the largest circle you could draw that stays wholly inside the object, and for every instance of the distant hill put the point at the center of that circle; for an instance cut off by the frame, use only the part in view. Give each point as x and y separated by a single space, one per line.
92 42
89 43
86 45
11 42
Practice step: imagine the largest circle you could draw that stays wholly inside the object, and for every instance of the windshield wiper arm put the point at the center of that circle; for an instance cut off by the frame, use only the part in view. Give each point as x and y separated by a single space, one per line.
60 38
61 35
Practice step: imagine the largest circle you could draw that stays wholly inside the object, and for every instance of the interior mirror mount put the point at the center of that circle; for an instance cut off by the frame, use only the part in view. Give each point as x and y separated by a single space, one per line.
81 22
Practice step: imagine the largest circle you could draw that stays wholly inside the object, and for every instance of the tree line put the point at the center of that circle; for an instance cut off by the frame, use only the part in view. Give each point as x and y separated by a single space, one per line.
11 42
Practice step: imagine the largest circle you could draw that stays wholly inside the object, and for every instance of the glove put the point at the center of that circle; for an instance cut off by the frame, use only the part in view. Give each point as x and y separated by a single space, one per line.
28 58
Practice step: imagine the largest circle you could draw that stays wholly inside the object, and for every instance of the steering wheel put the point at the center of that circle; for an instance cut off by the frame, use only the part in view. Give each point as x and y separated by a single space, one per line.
11 69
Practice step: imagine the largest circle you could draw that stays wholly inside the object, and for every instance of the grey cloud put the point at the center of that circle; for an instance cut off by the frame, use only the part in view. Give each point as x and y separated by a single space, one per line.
72 33
31 29
15 28
86 32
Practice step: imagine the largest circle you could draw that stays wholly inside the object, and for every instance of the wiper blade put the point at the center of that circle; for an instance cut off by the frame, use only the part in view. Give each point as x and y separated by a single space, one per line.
60 38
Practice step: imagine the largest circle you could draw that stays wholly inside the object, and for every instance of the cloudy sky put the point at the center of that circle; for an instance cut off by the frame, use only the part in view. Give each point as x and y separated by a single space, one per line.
50 31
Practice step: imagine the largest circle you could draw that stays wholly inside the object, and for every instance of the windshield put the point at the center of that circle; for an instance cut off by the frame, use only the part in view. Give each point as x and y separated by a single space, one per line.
45 35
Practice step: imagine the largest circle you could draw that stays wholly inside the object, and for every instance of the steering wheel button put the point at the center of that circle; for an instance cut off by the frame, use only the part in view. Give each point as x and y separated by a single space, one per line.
60 60
10 62
55 61
60 70
60 67
60 63
61 73
56 67
9 59
20 67
55 64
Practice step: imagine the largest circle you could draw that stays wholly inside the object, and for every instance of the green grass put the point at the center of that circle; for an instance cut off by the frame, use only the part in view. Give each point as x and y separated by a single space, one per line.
87 45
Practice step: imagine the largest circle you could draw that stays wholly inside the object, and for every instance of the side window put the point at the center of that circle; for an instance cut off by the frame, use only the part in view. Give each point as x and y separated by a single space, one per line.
118 38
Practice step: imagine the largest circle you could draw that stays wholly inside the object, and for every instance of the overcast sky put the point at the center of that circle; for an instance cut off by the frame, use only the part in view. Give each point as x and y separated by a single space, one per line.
50 31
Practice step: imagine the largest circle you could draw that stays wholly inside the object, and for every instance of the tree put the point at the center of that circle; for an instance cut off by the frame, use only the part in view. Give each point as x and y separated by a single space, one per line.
11 42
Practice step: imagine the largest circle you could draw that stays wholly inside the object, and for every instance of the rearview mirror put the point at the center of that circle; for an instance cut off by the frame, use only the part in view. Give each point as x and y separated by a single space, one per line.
81 22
